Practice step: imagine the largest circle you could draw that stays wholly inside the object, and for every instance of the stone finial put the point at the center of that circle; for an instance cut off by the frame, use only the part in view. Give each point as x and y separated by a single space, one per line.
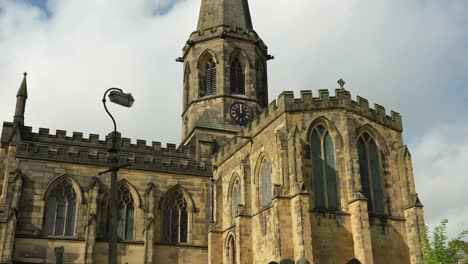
341 83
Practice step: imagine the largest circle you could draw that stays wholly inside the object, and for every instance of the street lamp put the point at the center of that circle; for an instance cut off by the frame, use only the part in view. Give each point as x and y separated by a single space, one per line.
116 96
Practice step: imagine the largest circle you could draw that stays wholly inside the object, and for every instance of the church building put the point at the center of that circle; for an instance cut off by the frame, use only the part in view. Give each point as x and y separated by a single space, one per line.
309 178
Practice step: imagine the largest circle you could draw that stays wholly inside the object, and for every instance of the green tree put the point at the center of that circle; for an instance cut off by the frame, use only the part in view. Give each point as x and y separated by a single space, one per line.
438 250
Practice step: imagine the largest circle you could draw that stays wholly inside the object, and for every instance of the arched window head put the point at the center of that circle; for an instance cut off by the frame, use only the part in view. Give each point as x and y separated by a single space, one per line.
61 210
175 217
237 79
370 167
125 214
235 199
265 180
231 250
323 169
209 78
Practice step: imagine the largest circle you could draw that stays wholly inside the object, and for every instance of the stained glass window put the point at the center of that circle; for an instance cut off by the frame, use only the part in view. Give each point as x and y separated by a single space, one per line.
175 218
370 167
237 78
323 169
265 179
61 210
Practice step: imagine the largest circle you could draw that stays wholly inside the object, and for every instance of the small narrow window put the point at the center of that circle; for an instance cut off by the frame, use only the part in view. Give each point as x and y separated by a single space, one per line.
323 169
370 167
175 218
261 85
235 200
237 78
61 211
209 86
266 188
231 249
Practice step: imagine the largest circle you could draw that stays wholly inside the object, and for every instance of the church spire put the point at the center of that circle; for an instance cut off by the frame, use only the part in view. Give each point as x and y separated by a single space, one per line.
232 13
21 98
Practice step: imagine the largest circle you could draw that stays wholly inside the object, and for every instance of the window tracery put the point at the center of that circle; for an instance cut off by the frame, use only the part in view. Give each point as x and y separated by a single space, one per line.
370 166
175 218
125 214
323 169
61 206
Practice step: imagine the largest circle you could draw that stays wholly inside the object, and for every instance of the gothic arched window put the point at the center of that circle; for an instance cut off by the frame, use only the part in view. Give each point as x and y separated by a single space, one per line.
265 180
370 166
175 217
237 77
235 199
231 250
61 210
323 169
209 78
125 214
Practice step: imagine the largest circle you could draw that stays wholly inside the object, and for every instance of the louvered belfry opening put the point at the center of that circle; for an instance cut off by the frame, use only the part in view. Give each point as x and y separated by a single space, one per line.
210 78
237 78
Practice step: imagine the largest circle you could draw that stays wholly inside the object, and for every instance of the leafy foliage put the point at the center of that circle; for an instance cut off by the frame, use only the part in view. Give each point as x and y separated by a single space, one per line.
438 250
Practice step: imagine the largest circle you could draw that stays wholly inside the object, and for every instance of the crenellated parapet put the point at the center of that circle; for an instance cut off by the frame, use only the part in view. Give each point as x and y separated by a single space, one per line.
99 157
222 31
287 103
92 150
95 141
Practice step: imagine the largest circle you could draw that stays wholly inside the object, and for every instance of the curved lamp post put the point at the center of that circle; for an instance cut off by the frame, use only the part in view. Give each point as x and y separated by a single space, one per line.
116 96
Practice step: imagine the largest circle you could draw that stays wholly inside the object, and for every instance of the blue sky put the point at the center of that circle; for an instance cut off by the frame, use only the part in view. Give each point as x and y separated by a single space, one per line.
409 56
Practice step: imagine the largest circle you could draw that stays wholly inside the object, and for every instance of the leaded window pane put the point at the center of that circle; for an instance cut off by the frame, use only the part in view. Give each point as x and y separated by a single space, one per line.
50 216
266 191
167 222
130 222
371 174
60 218
125 214
120 222
364 171
317 168
175 219
376 177
332 193
183 226
61 210
71 211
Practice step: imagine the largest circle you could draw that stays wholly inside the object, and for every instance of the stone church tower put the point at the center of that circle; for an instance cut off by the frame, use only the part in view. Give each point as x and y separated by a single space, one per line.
225 62
314 179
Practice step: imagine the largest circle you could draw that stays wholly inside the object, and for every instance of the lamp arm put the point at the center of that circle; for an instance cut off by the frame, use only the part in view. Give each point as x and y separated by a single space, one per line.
105 106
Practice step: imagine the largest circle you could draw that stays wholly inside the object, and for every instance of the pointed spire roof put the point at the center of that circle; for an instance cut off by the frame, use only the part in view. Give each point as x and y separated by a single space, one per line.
23 89
232 13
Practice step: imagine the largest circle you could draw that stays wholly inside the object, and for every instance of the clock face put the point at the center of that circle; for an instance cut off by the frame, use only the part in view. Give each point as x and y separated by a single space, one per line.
241 113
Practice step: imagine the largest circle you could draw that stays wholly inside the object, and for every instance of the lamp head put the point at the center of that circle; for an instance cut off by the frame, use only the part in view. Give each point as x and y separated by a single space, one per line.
121 98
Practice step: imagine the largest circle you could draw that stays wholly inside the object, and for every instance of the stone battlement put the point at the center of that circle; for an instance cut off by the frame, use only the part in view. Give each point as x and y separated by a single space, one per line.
99 157
287 103
94 141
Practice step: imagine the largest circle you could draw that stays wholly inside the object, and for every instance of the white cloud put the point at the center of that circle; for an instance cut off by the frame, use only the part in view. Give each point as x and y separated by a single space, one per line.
409 56
441 170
